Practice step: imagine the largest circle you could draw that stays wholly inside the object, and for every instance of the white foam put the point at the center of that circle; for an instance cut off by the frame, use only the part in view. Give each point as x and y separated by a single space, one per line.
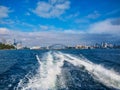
107 77
37 57
46 77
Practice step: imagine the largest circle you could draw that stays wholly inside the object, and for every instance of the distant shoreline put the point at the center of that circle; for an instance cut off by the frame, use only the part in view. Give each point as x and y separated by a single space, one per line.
62 49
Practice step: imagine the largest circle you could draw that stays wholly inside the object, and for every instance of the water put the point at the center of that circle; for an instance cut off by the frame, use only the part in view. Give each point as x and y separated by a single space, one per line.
97 69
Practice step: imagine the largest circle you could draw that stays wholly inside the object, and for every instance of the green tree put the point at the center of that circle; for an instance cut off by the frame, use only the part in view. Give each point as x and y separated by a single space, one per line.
4 46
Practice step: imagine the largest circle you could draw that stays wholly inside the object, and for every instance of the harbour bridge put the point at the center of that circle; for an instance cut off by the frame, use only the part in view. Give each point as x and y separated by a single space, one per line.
57 46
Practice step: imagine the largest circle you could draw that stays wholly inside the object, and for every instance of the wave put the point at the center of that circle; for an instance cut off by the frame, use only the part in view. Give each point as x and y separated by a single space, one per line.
46 76
107 77
50 67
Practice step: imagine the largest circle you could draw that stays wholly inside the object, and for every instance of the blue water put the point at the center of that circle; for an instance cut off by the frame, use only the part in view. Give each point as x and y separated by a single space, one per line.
97 69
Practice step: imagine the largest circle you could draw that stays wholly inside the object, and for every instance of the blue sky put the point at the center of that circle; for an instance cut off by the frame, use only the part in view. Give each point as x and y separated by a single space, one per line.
60 21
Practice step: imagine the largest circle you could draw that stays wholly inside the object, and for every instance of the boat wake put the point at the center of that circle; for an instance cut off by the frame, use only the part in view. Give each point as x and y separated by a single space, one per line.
50 68
108 77
46 77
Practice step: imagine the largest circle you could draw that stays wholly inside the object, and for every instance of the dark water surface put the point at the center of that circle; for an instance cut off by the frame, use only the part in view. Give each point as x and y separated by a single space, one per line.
97 69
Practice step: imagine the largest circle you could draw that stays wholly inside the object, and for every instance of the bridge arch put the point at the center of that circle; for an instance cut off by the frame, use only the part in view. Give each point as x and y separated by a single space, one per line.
57 46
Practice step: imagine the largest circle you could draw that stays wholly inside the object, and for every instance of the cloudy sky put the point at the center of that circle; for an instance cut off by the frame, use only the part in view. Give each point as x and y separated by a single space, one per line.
69 22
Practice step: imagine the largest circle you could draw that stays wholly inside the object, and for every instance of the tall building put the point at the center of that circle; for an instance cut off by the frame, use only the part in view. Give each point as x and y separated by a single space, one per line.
104 45
18 45
14 43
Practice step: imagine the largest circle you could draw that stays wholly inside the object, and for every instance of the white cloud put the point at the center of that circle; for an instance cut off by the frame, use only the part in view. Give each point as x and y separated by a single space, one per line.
4 31
26 24
4 11
42 38
106 27
53 8
93 15
43 27
71 31
70 16
49 28
45 38
107 30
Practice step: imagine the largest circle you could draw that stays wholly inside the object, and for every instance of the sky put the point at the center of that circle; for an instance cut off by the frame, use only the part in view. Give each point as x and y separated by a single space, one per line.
69 22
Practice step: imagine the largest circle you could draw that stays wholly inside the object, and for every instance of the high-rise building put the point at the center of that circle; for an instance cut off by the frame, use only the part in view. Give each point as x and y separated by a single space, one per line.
18 45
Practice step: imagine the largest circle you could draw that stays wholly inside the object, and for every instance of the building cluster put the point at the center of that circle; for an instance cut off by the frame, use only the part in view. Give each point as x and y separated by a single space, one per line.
38 47
82 47
103 45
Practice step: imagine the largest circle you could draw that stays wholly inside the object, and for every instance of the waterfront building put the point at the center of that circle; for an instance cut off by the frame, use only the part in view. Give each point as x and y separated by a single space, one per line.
35 47
81 47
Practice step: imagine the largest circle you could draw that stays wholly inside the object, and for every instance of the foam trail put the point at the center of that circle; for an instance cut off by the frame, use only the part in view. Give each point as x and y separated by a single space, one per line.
37 57
46 77
107 77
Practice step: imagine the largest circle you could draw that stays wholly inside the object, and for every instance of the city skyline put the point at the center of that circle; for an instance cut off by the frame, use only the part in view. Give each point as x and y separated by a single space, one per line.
46 22
18 45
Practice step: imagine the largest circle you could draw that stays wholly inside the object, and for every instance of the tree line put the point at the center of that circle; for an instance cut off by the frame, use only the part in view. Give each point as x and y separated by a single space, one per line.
6 46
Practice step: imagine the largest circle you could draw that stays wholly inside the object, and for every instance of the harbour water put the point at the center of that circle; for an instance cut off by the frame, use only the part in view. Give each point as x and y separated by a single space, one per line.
97 69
